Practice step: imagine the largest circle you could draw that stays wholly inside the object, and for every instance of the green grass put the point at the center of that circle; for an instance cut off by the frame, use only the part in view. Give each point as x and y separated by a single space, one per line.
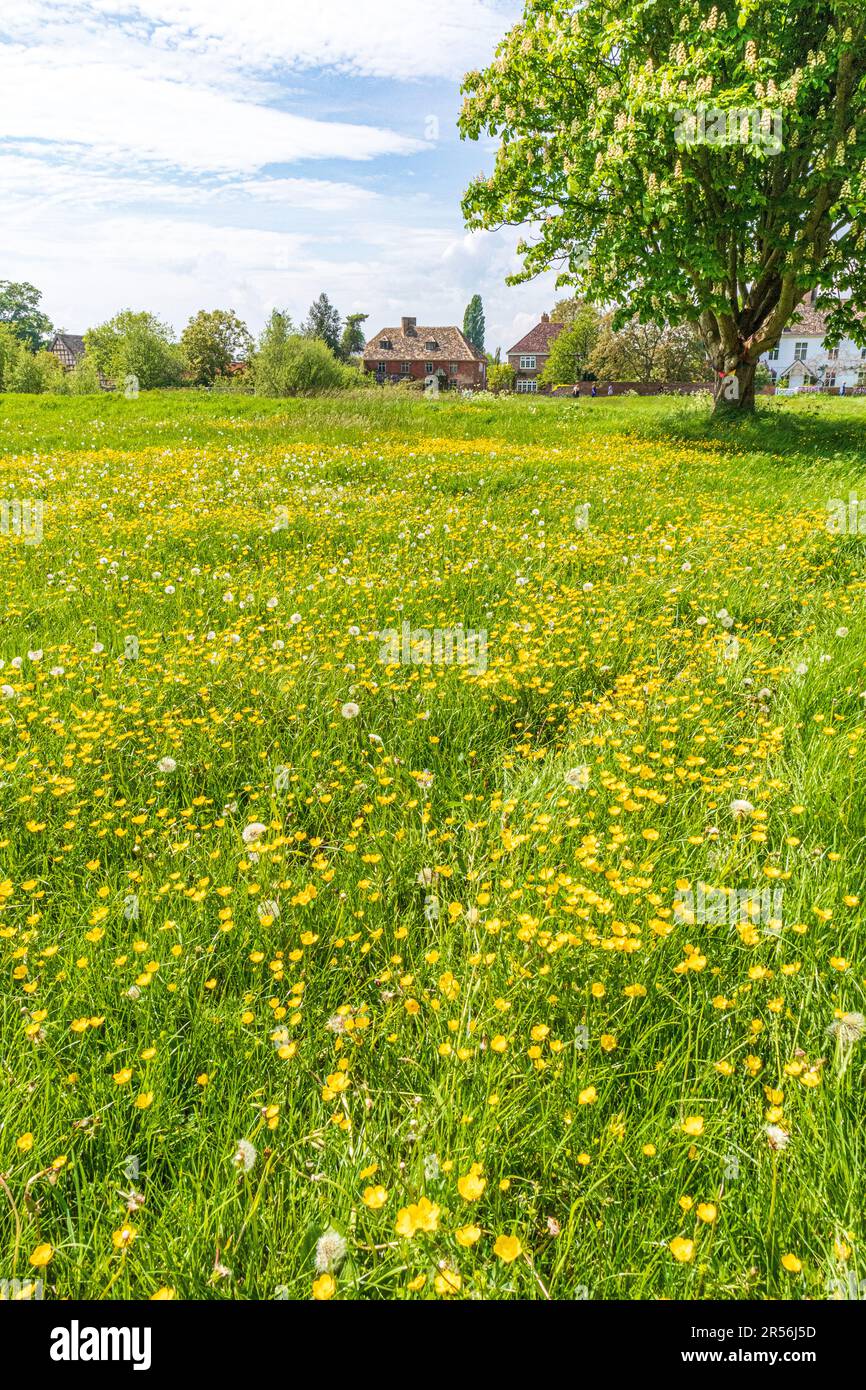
132 908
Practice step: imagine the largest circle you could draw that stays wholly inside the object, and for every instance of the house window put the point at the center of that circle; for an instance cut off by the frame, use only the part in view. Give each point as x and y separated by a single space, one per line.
453 368
773 354
431 345
405 368
861 377
385 344
526 387
800 350
428 367
831 379
833 354
527 362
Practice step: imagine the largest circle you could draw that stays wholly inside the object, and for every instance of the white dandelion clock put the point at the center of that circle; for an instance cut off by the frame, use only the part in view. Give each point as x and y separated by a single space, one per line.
252 833
330 1251
244 1156
777 1138
848 1028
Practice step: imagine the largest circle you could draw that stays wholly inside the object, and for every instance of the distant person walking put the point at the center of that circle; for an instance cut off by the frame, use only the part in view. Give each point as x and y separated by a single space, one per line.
594 391
610 389
575 391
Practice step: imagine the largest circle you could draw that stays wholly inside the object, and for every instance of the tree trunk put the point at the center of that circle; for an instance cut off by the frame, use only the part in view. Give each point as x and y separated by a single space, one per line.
734 388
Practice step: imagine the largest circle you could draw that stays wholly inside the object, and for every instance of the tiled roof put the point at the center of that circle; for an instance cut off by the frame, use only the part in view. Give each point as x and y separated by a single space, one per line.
407 347
73 341
539 338
807 321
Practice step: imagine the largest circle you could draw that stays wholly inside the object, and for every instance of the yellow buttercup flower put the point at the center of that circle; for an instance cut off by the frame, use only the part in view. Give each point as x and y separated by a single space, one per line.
422 1215
682 1250
472 1184
374 1197
507 1248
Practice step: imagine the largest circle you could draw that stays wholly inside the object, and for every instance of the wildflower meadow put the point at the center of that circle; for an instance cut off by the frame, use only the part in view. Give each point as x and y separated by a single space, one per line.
431 848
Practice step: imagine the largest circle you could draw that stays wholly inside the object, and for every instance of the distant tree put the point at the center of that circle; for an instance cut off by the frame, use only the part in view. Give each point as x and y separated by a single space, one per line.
287 364
32 372
494 358
210 343
763 376
10 347
473 322
567 310
353 339
84 379
571 351
270 353
500 377
649 352
19 307
323 321
135 345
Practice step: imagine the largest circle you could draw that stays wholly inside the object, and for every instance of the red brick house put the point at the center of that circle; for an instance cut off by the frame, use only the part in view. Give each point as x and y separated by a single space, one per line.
529 356
417 354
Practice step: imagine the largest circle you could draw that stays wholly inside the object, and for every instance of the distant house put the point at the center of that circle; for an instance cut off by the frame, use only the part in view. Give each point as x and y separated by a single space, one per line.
801 359
416 353
68 348
529 356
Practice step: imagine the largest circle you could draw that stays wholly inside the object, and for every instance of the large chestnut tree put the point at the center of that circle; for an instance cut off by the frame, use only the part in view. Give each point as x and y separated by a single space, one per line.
692 162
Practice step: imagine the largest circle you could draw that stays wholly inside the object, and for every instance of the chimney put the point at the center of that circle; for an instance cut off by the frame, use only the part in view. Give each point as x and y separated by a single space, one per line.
545 318
408 326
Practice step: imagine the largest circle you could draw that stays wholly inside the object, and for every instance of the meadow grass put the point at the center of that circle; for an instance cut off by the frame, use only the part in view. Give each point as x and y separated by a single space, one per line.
420 935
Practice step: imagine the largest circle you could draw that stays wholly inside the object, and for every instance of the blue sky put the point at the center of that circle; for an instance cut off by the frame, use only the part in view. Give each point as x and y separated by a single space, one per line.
184 154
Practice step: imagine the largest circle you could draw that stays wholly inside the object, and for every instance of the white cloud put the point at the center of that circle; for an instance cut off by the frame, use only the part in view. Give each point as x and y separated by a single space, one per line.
26 181
127 116
418 39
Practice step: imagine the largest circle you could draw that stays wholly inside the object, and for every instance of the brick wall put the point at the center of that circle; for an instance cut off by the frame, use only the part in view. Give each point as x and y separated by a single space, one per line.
468 373
640 388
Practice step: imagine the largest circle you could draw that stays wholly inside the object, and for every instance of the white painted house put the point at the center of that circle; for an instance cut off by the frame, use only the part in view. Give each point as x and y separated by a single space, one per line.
801 361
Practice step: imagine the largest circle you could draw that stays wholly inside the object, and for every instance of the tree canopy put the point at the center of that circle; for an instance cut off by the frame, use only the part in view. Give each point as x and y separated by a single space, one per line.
473 322
135 345
289 364
570 352
353 339
648 352
700 162
323 321
19 308
210 343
